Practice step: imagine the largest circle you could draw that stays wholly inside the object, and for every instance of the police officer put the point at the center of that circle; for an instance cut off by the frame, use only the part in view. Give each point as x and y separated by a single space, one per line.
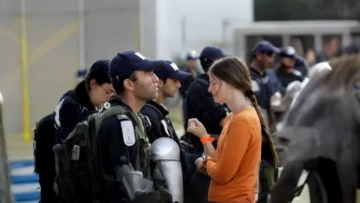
161 126
287 73
301 65
169 83
264 81
267 89
122 137
191 64
199 103
191 67
88 95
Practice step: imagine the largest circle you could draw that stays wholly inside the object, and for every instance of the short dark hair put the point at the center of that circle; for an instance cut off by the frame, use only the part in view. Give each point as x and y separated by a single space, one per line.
99 72
119 83
206 63
164 79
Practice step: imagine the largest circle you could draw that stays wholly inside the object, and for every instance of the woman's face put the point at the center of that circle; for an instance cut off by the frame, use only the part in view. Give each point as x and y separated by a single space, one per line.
99 94
219 89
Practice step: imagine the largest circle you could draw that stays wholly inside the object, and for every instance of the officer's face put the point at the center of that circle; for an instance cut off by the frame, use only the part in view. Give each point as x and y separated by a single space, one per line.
191 64
266 59
99 94
288 62
146 85
170 87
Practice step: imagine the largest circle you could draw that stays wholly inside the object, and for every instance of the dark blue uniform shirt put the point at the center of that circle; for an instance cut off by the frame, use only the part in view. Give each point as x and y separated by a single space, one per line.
265 85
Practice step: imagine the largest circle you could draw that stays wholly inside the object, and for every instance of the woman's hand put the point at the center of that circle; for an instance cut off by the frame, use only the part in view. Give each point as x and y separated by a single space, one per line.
200 165
196 127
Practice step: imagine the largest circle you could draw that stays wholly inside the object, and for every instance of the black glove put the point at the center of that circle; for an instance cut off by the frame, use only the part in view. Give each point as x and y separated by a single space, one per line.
161 186
147 197
161 196
165 195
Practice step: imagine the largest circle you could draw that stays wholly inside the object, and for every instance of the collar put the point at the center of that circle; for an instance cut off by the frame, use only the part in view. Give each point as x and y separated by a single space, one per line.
254 71
117 100
293 71
204 76
82 96
163 110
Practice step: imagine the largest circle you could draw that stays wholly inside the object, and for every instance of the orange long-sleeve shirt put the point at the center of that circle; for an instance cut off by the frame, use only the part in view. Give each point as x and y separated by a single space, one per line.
234 170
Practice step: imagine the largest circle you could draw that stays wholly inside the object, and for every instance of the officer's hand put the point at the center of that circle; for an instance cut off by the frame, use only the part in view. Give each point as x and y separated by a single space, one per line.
147 197
200 165
165 195
161 196
196 127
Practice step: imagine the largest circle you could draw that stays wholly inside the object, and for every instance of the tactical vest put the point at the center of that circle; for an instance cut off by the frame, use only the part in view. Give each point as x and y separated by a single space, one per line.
79 175
143 147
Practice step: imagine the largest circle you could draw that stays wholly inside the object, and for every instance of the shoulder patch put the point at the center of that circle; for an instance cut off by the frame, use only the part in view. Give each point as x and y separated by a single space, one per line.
128 132
148 121
255 86
297 73
163 122
265 79
107 105
57 113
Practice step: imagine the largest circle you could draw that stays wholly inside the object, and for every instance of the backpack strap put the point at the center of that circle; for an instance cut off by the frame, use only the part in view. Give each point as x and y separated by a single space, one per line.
138 143
112 111
115 111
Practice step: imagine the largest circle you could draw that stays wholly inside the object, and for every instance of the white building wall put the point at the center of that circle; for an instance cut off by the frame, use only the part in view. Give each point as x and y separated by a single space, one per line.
188 24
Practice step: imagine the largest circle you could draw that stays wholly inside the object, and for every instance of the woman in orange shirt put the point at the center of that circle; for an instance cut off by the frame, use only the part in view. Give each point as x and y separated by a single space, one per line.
234 166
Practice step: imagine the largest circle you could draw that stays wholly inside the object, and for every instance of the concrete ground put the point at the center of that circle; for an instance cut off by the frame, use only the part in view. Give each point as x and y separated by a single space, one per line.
17 149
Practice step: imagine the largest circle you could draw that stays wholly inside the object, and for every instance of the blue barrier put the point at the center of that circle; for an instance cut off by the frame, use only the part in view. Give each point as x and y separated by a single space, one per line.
21 164
28 196
24 179
24 182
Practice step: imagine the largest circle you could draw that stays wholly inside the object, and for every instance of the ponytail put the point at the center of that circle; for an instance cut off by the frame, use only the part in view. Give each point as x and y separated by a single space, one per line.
268 151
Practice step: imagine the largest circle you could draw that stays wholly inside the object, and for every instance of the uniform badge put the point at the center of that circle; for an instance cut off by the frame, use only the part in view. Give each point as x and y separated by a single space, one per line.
255 86
128 132
163 122
107 105
75 153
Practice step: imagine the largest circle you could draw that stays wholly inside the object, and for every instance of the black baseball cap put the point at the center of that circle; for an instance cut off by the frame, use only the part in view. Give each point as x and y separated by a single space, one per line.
99 71
171 70
265 47
126 63
212 52
288 52
192 55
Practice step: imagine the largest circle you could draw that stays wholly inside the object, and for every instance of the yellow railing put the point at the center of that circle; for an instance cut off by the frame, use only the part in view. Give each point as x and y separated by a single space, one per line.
24 75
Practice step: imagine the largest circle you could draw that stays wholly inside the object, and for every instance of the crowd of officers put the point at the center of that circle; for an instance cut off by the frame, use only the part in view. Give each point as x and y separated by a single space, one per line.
141 86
